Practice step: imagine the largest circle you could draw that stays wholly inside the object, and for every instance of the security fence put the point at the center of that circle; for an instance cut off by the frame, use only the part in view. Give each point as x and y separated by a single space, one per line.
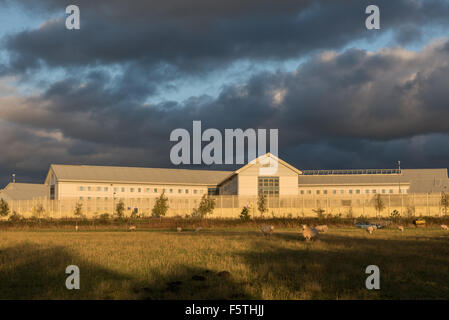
231 206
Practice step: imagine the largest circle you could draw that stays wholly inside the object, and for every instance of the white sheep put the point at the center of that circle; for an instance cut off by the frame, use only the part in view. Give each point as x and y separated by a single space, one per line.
198 229
444 227
76 227
371 229
401 228
267 230
132 228
322 228
179 229
309 233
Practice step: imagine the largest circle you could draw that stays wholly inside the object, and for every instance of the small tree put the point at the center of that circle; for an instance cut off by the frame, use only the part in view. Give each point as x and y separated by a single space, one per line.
319 212
38 210
244 215
207 206
4 208
78 212
262 204
395 216
378 203
444 201
120 209
160 207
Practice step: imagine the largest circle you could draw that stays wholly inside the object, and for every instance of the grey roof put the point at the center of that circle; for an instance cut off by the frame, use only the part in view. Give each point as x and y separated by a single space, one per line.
24 191
429 186
138 175
406 176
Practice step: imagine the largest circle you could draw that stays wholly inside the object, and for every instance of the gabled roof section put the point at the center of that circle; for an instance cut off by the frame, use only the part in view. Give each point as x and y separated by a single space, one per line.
110 174
267 155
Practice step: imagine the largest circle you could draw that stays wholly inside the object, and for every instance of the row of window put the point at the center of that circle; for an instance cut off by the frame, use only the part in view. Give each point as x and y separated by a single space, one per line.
350 191
139 190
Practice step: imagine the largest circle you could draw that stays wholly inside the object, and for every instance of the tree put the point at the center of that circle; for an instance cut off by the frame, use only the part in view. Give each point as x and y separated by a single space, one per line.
160 207
206 206
120 209
444 201
244 215
319 212
38 210
78 212
378 203
4 208
262 204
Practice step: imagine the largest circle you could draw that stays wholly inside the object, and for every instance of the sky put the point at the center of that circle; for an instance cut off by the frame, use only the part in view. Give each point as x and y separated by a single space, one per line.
111 93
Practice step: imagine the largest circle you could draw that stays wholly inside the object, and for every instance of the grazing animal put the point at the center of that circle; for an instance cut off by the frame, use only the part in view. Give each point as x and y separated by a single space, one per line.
371 229
132 228
198 229
309 233
179 229
401 228
444 227
267 230
76 228
322 228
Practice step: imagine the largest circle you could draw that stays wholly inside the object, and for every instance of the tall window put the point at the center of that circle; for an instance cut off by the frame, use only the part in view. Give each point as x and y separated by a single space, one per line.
268 186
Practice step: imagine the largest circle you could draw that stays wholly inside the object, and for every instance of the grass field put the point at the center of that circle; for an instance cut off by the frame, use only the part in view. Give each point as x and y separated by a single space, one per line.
160 264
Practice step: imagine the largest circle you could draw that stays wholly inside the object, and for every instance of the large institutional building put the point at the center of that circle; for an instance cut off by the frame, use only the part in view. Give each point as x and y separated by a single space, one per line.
105 182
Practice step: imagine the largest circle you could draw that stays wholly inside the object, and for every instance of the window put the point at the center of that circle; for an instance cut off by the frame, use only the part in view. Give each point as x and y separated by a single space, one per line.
195 191
98 198
350 191
357 191
171 190
268 185
201 191
212 191
106 189
383 190
179 191
155 190
147 190
163 190
187 190
334 191
342 191
309 191
123 189
106 198
366 191
81 198
98 188
302 191
325 191
374 191
318 192
391 190
115 189
88 188
81 188
88 198
139 189
131 190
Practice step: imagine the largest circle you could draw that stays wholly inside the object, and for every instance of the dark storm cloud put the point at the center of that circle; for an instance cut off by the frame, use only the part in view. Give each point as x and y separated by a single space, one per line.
198 35
335 109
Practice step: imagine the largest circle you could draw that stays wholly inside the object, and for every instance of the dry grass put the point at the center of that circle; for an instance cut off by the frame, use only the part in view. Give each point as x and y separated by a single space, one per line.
158 264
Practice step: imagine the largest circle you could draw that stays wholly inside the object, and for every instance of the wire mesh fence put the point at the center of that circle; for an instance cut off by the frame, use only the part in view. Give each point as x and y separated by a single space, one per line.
228 206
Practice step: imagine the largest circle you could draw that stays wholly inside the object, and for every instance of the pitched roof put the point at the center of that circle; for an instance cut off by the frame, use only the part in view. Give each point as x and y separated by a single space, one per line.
24 191
111 174
406 176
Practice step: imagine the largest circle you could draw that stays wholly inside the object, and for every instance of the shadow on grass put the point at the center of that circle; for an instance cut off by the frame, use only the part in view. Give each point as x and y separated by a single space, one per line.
30 271
333 267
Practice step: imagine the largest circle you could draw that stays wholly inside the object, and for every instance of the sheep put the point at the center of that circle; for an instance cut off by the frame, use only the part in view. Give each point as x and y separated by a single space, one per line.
132 228
76 227
309 233
267 230
179 229
322 228
444 227
198 229
401 228
371 229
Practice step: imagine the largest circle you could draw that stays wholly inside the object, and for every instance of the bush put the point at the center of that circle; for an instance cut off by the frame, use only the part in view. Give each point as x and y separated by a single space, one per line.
319 212
395 215
160 207
262 204
4 208
244 215
78 212
120 209
15 217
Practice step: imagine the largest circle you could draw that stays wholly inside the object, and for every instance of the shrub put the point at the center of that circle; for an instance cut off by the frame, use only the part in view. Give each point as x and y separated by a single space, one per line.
15 217
38 211
78 212
444 202
160 207
4 208
319 212
395 215
244 215
378 203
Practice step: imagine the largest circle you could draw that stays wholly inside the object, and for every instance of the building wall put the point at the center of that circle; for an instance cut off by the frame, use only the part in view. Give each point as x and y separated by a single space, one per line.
339 190
105 191
230 187
248 180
